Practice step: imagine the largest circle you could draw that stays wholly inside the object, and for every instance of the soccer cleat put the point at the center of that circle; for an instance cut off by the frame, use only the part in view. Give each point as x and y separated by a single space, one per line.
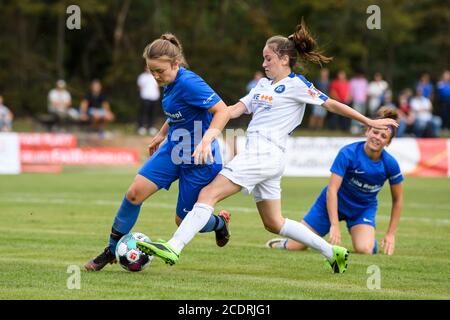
160 249
99 262
276 243
338 262
223 235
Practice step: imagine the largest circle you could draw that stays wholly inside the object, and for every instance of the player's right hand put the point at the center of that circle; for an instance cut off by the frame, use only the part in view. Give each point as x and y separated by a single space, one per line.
335 235
154 144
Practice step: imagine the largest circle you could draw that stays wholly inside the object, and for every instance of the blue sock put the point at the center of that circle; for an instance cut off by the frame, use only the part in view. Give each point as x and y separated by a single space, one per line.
124 221
375 247
214 223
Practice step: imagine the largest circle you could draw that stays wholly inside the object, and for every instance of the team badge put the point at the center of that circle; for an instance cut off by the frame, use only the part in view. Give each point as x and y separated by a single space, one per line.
280 88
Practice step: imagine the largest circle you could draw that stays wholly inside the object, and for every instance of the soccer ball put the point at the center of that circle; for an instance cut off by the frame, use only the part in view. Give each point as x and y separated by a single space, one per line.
129 256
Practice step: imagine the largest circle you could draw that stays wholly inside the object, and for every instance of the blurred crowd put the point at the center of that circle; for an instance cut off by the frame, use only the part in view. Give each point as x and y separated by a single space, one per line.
424 109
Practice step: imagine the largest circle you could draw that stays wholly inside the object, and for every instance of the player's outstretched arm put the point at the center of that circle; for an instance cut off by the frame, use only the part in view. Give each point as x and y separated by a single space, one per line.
388 241
237 110
346 111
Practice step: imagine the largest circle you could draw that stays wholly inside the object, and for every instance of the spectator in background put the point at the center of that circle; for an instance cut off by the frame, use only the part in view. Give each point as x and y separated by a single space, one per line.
358 92
376 91
149 94
340 91
257 76
95 108
425 85
6 117
443 95
60 102
317 118
406 117
425 123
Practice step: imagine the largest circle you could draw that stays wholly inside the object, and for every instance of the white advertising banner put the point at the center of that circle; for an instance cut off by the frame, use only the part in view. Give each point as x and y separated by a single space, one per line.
313 156
9 153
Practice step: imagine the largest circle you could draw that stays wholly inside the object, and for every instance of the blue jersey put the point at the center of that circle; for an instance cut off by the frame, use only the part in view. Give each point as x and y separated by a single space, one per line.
362 178
185 103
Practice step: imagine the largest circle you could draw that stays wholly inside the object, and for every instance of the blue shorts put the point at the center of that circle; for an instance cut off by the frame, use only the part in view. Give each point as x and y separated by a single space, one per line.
317 217
161 170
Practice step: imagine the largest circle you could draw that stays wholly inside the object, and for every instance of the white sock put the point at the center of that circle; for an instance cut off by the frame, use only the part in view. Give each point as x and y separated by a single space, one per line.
194 221
299 232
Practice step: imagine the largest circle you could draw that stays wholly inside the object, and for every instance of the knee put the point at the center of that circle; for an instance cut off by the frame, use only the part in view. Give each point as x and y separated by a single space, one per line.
178 220
364 248
133 195
207 195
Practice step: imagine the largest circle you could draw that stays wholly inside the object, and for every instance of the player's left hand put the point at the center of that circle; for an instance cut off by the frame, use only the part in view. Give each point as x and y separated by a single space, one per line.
203 153
388 243
382 124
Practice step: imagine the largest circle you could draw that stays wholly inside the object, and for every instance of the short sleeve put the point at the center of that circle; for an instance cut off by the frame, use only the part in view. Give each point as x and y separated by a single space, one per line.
341 163
307 93
199 94
247 101
394 173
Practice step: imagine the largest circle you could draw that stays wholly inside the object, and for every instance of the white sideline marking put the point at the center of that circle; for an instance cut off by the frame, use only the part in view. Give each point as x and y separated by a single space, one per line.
159 205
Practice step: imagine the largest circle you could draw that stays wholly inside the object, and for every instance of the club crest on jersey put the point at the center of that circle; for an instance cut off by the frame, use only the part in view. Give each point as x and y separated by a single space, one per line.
262 100
280 88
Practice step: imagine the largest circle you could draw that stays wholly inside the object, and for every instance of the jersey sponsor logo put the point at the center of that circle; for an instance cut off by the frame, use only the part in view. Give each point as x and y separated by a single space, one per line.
209 98
280 88
365 187
262 100
175 117
313 92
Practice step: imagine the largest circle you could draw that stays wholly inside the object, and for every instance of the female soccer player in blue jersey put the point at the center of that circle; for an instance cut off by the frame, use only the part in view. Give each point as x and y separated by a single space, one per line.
357 175
195 116
278 103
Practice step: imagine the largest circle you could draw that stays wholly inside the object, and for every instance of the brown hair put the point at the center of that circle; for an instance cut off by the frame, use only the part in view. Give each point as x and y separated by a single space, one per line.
386 112
300 42
167 47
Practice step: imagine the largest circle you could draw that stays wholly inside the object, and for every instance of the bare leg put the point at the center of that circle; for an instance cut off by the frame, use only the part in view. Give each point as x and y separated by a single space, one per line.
363 238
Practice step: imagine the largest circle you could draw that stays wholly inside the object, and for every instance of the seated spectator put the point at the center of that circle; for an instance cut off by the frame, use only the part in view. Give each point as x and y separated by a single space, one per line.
425 123
6 117
406 117
60 102
95 108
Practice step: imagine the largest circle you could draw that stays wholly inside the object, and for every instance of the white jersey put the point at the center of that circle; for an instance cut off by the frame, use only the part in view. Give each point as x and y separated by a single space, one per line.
279 108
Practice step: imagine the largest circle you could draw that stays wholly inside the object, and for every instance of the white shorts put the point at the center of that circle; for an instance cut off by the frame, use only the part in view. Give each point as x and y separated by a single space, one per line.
257 172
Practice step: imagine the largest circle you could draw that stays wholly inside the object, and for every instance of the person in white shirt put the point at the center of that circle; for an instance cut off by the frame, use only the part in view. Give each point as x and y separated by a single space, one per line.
6 117
375 91
60 102
424 120
149 94
278 104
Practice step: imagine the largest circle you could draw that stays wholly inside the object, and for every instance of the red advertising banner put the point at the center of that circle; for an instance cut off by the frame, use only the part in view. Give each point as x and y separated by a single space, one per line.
79 156
54 140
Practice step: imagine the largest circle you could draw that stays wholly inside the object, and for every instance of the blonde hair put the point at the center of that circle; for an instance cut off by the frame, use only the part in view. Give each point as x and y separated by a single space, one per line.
299 43
167 47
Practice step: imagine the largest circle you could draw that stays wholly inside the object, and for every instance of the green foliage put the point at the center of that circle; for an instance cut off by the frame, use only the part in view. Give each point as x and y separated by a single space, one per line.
223 40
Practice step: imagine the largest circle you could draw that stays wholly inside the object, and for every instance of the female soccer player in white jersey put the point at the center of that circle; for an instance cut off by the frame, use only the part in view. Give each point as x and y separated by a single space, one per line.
357 175
278 104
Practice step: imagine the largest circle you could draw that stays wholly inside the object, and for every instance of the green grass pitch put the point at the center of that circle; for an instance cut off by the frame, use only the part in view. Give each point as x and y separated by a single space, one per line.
51 222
